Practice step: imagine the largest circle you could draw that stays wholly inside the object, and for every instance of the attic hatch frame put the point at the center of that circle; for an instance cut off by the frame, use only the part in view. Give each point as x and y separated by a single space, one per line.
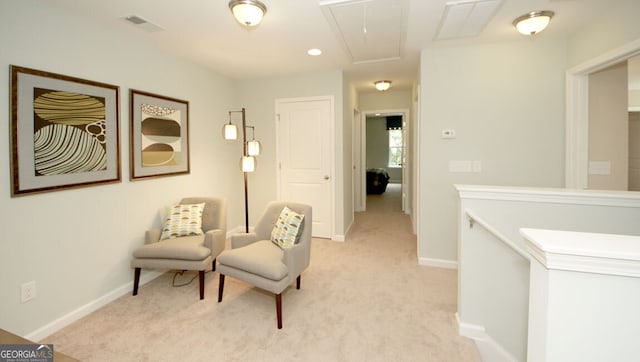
327 7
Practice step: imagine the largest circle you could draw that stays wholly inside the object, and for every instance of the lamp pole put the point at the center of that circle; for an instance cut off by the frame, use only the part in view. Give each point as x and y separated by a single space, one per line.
247 162
246 187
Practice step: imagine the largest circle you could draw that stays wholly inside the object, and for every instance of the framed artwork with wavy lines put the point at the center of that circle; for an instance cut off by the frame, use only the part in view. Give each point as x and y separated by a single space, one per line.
64 132
159 135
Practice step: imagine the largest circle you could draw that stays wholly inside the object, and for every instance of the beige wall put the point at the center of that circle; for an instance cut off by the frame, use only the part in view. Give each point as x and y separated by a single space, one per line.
512 121
609 127
610 30
634 98
76 244
634 151
391 99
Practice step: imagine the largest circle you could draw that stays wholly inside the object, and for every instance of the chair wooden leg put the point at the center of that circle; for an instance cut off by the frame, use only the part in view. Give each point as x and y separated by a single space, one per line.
298 282
136 281
279 309
201 277
220 288
213 265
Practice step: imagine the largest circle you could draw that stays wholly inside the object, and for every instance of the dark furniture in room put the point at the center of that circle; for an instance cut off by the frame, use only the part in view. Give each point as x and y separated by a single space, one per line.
377 180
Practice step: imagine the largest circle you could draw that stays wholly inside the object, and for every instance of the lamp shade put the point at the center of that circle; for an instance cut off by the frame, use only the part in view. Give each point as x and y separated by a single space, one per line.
230 131
382 85
533 22
248 163
248 12
253 148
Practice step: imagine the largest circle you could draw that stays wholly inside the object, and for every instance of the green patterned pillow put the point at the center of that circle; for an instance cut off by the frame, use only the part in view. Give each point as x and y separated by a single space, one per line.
286 231
182 220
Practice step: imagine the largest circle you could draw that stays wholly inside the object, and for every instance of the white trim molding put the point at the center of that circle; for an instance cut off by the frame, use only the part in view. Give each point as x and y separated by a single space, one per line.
438 263
489 349
550 195
339 238
585 252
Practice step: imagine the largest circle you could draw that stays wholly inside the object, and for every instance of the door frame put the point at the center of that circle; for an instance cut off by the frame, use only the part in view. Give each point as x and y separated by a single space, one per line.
361 161
577 112
332 153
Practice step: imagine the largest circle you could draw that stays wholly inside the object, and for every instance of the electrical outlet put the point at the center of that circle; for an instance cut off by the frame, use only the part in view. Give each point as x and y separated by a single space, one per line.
28 291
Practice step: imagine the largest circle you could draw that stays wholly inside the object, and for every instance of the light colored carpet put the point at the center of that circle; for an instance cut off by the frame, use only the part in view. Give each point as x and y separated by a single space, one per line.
362 300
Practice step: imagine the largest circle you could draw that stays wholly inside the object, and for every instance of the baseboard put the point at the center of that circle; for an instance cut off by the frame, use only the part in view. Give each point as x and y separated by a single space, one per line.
489 349
90 307
438 263
346 231
338 238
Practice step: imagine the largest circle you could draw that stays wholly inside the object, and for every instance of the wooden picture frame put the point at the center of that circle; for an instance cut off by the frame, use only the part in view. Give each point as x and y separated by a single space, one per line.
64 132
159 135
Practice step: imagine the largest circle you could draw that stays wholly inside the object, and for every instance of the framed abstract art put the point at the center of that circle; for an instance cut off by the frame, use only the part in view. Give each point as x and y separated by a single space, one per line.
64 132
159 135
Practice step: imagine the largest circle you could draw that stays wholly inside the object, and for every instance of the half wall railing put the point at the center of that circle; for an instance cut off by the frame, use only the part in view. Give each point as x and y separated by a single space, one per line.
475 219
494 262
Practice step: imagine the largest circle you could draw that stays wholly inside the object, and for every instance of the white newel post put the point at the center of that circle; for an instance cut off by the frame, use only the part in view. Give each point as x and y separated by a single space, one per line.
584 301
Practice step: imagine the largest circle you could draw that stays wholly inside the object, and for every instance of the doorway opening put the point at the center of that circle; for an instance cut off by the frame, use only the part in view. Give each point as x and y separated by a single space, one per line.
383 157
577 130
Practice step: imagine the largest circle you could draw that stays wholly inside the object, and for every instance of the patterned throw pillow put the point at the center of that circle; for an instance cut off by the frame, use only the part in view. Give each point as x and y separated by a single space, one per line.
286 231
183 220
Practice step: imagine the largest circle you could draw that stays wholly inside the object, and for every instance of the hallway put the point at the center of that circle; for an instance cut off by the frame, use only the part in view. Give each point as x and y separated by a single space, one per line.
388 202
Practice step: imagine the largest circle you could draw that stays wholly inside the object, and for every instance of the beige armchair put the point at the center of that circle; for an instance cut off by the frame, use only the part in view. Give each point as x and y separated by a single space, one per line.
254 259
194 252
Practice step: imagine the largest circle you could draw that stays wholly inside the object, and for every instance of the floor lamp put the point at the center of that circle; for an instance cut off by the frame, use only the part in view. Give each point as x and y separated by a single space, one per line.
250 149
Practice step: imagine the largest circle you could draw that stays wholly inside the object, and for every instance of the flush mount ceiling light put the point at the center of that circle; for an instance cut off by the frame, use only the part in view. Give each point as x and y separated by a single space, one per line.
533 22
248 12
382 85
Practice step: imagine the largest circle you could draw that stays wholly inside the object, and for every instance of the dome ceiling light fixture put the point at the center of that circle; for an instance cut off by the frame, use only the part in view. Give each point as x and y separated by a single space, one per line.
533 22
382 85
248 12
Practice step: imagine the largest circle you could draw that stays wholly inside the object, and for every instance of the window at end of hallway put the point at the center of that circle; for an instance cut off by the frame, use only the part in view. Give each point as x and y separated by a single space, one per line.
395 148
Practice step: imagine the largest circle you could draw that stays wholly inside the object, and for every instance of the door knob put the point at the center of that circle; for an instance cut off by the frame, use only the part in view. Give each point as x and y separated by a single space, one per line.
326 177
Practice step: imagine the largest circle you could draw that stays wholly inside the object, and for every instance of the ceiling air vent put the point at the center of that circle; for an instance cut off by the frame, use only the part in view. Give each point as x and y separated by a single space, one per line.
142 23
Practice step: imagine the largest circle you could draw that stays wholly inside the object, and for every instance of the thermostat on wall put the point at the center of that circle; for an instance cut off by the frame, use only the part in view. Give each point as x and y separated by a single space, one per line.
447 134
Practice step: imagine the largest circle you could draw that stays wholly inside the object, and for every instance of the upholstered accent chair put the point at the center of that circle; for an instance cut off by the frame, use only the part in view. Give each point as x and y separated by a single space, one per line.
192 252
255 259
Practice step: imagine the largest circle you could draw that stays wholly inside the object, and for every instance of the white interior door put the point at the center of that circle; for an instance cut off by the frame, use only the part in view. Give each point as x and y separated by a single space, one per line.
305 157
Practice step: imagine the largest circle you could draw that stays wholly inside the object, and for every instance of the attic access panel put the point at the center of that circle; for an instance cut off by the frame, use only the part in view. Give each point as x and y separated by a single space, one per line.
466 18
369 30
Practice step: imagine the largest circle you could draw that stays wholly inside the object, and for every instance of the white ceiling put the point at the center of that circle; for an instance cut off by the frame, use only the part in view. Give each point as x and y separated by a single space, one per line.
205 32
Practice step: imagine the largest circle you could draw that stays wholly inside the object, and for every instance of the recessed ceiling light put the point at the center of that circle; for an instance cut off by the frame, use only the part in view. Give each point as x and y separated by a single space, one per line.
314 52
